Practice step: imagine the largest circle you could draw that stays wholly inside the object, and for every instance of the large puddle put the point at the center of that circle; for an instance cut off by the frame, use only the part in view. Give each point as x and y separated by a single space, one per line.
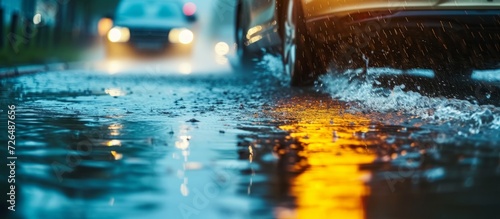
93 145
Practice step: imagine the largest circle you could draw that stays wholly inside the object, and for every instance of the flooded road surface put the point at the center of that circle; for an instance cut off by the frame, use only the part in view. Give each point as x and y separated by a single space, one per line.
191 137
91 144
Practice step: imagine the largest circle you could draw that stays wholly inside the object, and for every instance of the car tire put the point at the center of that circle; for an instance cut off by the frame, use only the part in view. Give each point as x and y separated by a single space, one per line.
241 28
297 53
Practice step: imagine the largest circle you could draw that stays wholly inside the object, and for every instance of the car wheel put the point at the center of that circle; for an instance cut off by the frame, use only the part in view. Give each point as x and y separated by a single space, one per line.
296 57
240 30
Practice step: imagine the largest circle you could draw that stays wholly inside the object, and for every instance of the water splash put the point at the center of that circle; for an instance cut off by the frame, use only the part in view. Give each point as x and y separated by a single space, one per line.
363 94
462 114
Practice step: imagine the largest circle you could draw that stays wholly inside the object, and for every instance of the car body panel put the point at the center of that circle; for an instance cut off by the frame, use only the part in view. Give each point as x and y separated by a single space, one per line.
152 23
263 12
359 26
262 31
318 8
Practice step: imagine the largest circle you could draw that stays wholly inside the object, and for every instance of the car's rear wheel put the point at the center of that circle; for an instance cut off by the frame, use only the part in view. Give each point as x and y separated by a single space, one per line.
297 47
293 44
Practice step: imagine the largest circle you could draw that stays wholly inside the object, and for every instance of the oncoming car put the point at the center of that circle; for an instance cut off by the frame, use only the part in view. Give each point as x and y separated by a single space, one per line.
451 37
151 26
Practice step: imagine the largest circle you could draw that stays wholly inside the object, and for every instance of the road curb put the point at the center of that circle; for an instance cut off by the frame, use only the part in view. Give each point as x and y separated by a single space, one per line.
32 69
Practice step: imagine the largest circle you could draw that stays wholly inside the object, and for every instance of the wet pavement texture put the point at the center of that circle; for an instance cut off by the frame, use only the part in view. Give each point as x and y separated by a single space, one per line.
192 137
239 144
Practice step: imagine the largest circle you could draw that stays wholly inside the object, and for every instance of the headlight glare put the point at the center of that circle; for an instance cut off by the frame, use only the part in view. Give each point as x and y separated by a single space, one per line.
119 35
181 35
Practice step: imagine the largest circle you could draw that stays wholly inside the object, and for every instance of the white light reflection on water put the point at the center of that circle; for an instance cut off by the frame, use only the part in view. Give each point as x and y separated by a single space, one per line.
183 144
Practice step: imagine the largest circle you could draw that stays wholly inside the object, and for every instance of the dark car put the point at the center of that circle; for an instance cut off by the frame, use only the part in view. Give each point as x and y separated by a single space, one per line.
148 26
451 37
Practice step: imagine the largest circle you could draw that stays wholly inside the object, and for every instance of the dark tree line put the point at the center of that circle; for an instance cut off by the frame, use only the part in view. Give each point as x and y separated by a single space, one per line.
74 23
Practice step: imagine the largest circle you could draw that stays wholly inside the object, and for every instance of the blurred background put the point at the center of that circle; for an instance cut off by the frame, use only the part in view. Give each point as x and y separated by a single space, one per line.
35 31
143 137
52 31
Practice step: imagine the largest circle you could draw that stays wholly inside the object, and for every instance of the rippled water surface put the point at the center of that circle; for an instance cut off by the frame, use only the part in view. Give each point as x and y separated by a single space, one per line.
233 145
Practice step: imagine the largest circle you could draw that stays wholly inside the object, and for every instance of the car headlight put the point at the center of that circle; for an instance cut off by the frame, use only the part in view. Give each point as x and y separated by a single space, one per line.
181 35
119 34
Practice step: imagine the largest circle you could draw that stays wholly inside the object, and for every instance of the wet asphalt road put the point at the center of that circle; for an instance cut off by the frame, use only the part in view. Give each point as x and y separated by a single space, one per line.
193 137
235 144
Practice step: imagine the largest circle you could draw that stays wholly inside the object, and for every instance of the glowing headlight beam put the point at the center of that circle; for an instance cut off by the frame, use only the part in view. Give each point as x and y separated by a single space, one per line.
119 35
186 36
181 35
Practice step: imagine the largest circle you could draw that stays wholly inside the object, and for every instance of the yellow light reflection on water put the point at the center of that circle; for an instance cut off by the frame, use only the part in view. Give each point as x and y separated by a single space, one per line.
115 129
116 155
333 184
114 143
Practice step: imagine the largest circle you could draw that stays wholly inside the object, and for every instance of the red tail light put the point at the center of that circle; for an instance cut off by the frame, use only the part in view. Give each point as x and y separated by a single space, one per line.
189 9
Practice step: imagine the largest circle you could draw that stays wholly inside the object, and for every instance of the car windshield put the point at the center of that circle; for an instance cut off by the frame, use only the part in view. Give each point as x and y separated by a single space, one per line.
148 10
